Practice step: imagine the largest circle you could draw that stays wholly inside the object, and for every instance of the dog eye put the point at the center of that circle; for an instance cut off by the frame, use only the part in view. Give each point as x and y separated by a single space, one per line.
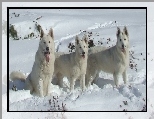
124 39
79 47
49 41
120 39
84 46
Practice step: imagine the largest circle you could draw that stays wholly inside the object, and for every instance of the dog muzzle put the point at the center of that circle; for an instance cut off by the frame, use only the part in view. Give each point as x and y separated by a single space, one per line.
123 50
83 56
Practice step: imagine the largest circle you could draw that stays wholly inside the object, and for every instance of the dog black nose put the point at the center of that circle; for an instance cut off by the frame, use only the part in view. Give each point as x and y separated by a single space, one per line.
83 53
47 48
122 46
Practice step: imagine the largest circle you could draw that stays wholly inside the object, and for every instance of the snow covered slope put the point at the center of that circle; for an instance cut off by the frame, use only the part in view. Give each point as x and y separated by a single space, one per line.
66 25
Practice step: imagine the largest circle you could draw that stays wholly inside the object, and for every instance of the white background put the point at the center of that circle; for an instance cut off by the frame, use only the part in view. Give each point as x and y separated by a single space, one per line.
150 29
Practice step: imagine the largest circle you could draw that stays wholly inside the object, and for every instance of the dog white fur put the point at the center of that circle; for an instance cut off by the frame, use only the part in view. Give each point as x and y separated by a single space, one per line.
73 65
96 49
93 50
114 60
39 80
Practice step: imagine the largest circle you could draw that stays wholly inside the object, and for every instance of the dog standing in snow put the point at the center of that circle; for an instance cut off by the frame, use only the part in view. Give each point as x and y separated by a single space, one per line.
73 65
114 60
39 80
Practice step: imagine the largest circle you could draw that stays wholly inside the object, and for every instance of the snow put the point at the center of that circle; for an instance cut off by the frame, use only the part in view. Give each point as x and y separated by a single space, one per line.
22 94
101 97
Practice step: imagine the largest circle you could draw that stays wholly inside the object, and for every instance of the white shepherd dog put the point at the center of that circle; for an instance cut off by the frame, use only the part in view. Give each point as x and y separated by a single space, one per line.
39 80
114 60
73 65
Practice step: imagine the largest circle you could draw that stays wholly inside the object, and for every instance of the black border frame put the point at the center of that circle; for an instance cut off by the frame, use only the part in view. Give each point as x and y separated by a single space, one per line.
8 8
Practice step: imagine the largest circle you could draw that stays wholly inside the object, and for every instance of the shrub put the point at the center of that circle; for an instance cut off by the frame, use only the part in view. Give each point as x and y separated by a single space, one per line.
55 106
38 27
31 34
12 32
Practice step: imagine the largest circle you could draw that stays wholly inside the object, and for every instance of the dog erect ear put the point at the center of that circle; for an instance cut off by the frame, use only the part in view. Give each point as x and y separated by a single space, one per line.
76 40
85 38
125 31
51 33
41 32
118 31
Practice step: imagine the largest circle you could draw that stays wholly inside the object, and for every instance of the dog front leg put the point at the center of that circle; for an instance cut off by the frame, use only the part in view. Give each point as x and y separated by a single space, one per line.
87 80
40 88
125 77
72 83
82 82
60 79
96 78
48 88
116 79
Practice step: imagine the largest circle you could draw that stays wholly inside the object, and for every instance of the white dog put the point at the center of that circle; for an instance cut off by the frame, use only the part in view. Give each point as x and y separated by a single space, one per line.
39 80
93 50
114 60
73 65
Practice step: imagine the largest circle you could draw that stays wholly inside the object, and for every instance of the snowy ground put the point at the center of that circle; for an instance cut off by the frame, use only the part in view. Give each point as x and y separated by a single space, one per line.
101 97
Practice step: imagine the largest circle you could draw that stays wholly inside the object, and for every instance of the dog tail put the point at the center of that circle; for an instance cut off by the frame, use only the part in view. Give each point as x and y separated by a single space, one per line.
16 75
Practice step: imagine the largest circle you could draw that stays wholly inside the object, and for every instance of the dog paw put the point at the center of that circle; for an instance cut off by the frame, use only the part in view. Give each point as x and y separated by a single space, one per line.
116 87
84 90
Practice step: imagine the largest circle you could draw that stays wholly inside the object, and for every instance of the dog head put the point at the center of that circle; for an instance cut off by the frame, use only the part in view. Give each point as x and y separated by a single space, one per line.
47 44
81 46
122 39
